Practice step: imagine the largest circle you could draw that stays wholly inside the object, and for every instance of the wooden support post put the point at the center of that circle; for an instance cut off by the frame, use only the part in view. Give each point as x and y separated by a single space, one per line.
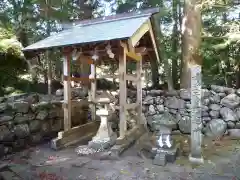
139 91
49 61
67 89
92 94
123 91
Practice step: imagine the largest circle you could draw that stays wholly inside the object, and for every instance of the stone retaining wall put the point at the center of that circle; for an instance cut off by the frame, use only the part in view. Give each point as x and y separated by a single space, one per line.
220 110
29 119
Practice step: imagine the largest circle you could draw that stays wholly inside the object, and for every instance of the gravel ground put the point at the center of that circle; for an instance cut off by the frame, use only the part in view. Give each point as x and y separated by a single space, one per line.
43 163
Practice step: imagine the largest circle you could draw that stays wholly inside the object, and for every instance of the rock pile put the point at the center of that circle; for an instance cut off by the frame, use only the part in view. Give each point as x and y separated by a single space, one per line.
28 119
220 110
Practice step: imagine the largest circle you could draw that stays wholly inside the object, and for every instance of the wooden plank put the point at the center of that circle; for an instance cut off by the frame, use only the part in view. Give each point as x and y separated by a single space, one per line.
85 127
84 60
130 45
124 143
153 40
108 76
110 96
144 28
123 90
93 91
81 79
132 106
134 56
139 91
132 77
67 91
75 135
131 54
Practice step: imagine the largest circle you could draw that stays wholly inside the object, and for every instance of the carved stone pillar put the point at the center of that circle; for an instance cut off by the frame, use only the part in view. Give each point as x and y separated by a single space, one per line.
196 117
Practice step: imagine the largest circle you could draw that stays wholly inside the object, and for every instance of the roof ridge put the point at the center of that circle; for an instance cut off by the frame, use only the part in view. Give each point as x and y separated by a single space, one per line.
115 17
111 20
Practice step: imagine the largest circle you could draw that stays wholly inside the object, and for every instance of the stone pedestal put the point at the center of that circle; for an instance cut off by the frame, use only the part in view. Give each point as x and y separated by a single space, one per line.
165 150
105 137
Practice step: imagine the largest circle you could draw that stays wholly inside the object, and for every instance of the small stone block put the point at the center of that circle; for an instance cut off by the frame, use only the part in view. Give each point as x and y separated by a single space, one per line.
160 159
171 157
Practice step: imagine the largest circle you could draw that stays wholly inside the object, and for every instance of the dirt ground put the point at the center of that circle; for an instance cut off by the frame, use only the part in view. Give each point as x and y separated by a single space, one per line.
222 162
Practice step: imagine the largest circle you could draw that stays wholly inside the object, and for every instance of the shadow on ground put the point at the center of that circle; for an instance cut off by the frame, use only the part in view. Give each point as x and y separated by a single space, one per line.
222 162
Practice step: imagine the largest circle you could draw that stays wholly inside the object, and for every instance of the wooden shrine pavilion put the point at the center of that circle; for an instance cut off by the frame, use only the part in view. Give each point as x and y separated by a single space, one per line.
111 39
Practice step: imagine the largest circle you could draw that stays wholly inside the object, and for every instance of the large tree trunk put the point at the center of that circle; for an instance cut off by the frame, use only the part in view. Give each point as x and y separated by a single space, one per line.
191 30
47 55
160 43
175 44
155 74
238 76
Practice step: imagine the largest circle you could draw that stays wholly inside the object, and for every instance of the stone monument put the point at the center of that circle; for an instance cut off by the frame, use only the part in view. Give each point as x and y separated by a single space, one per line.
196 121
165 150
105 136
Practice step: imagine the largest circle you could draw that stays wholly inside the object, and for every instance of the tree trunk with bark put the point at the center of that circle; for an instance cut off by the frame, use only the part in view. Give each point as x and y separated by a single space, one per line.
191 31
175 44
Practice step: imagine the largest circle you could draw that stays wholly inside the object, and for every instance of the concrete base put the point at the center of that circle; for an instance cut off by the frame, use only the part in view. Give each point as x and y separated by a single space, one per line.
196 160
163 156
105 137
160 159
101 144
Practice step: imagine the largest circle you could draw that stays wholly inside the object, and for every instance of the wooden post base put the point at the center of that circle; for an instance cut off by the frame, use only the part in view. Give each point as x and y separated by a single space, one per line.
75 135
131 136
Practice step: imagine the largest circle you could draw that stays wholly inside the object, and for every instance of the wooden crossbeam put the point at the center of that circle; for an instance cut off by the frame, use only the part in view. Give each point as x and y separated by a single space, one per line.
108 76
84 59
131 77
75 135
78 79
134 56
130 53
132 106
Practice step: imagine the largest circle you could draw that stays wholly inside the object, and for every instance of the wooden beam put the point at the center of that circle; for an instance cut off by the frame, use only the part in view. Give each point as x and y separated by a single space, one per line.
130 137
84 60
139 91
92 94
79 79
131 77
123 90
130 45
153 40
67 89
108 76
139 34
75 135
88 61
134 56
100 52
131 54
132 106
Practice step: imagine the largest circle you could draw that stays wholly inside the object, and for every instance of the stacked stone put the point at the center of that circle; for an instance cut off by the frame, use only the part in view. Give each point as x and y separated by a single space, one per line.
27 121
220 110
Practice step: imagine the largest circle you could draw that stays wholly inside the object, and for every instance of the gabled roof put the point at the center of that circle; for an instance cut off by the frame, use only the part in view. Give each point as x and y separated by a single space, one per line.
119 26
